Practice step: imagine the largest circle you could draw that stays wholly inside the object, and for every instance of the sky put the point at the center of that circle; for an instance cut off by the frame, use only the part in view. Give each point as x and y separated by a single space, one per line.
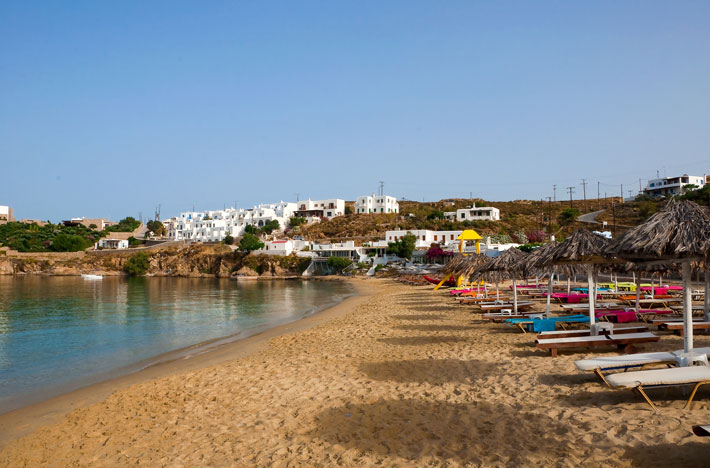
109 109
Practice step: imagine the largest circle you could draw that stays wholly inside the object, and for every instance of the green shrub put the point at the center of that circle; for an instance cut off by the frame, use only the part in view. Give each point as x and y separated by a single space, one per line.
228 240
249 243
127 224
296 221
568 216
138 264
338 263
133 242
404 247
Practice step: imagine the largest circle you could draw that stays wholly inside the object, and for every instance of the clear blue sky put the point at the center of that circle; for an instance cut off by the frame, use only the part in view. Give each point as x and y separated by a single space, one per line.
110 108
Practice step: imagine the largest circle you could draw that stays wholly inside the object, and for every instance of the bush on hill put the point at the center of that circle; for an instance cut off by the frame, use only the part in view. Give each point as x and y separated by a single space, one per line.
127 224
138 264
25 237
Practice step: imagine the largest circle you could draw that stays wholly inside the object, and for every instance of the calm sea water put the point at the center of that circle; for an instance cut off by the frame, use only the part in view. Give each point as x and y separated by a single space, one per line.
60 333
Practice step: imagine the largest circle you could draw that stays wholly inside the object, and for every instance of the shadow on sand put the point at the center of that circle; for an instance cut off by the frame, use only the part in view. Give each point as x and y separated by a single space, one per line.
432 371
472 434
421 340
692 454
434 327
419 317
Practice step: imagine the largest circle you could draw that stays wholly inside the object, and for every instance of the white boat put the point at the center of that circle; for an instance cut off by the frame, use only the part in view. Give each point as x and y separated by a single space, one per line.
92 277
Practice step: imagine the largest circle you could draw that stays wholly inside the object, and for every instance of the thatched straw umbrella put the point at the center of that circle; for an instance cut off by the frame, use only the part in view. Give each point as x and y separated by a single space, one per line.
679 233
581 248
463 265
510 263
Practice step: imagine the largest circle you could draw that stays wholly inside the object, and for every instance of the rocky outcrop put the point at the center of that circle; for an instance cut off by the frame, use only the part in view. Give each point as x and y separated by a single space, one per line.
187 261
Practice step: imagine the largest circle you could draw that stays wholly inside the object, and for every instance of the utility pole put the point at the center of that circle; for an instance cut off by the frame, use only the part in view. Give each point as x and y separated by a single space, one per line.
549 214
584 189
298 197
599 202
571 191
554 193
622 193
640 189
613 214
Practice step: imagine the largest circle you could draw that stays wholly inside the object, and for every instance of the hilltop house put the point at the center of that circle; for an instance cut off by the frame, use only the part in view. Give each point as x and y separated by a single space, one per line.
674 185
376 204
326 209
474 213
6 214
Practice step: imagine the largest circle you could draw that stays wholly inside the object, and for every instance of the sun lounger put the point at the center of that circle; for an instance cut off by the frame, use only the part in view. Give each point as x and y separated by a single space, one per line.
588 332
676 376
677 327
602 364
625 341
540 324
648 314
701 431
503 316
507 305
620 316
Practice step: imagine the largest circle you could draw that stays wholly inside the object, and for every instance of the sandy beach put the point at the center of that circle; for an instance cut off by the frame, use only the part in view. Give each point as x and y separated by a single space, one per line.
397 376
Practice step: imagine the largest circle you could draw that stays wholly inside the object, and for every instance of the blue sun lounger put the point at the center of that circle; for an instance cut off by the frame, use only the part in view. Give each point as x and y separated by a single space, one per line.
540 324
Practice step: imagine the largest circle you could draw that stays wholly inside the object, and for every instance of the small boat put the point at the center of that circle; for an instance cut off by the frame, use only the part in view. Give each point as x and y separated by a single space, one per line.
92 277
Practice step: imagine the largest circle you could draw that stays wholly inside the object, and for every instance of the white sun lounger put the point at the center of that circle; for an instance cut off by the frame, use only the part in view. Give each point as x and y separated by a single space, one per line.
675 376
601 364
623 341
588 332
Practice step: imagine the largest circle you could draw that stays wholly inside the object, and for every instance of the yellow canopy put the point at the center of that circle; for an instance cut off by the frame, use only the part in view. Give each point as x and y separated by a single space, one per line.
469 234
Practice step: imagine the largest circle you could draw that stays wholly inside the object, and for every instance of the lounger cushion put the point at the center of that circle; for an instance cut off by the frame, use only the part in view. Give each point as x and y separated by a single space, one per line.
587 339
627 360
672 376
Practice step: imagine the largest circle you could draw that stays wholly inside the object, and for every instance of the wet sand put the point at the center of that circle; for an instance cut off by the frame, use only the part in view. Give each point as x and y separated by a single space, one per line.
398 376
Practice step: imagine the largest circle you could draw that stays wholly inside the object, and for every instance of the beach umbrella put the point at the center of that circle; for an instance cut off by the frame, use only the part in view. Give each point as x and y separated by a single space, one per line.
679 233
583 248
531 264
510 264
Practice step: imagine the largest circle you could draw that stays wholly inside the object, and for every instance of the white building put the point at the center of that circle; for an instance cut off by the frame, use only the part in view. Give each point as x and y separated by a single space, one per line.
5 214
327 209
425 237
214 226
673 185
112 243
376 204
277 247
474 213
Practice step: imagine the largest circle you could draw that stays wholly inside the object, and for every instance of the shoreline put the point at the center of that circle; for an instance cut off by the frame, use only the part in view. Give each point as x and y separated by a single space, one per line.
21 421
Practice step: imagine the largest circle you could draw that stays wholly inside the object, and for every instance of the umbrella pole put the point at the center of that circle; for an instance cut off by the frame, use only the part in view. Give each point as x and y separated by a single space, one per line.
687 309
706 301
549 293
616 282
569 286
497 292
515 297
590 288
653 291
638 291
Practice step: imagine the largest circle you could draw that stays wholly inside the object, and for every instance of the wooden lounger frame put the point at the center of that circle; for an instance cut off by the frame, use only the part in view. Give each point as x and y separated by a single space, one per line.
626 346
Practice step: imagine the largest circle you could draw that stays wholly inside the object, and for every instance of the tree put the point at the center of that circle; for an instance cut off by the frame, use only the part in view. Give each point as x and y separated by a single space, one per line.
68 243
436 214
156 227
404 247
296 221
251 229
92 226
228 240
338 263
271 226
348 210
138 264
127 224
568 216
132 241
250 242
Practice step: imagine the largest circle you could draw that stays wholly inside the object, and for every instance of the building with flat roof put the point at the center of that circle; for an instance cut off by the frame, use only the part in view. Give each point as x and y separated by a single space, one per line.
674 185
474 213
6 214
325 209
376 204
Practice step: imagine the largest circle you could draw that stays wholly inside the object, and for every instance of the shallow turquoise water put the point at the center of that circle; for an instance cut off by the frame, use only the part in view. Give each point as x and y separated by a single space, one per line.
60 333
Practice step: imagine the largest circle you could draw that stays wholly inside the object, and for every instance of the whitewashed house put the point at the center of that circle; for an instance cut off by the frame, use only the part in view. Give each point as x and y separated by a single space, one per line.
213 226
474 213
322 209
376 204
112 244
277 247
674 185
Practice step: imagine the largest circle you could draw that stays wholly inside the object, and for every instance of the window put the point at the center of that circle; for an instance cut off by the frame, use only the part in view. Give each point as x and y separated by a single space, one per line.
436 237
463 215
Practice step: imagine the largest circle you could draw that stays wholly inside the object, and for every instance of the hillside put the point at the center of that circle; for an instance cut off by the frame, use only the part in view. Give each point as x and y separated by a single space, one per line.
519 216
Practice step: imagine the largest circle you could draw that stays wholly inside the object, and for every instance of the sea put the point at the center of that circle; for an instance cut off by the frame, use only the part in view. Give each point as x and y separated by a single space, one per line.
58 334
